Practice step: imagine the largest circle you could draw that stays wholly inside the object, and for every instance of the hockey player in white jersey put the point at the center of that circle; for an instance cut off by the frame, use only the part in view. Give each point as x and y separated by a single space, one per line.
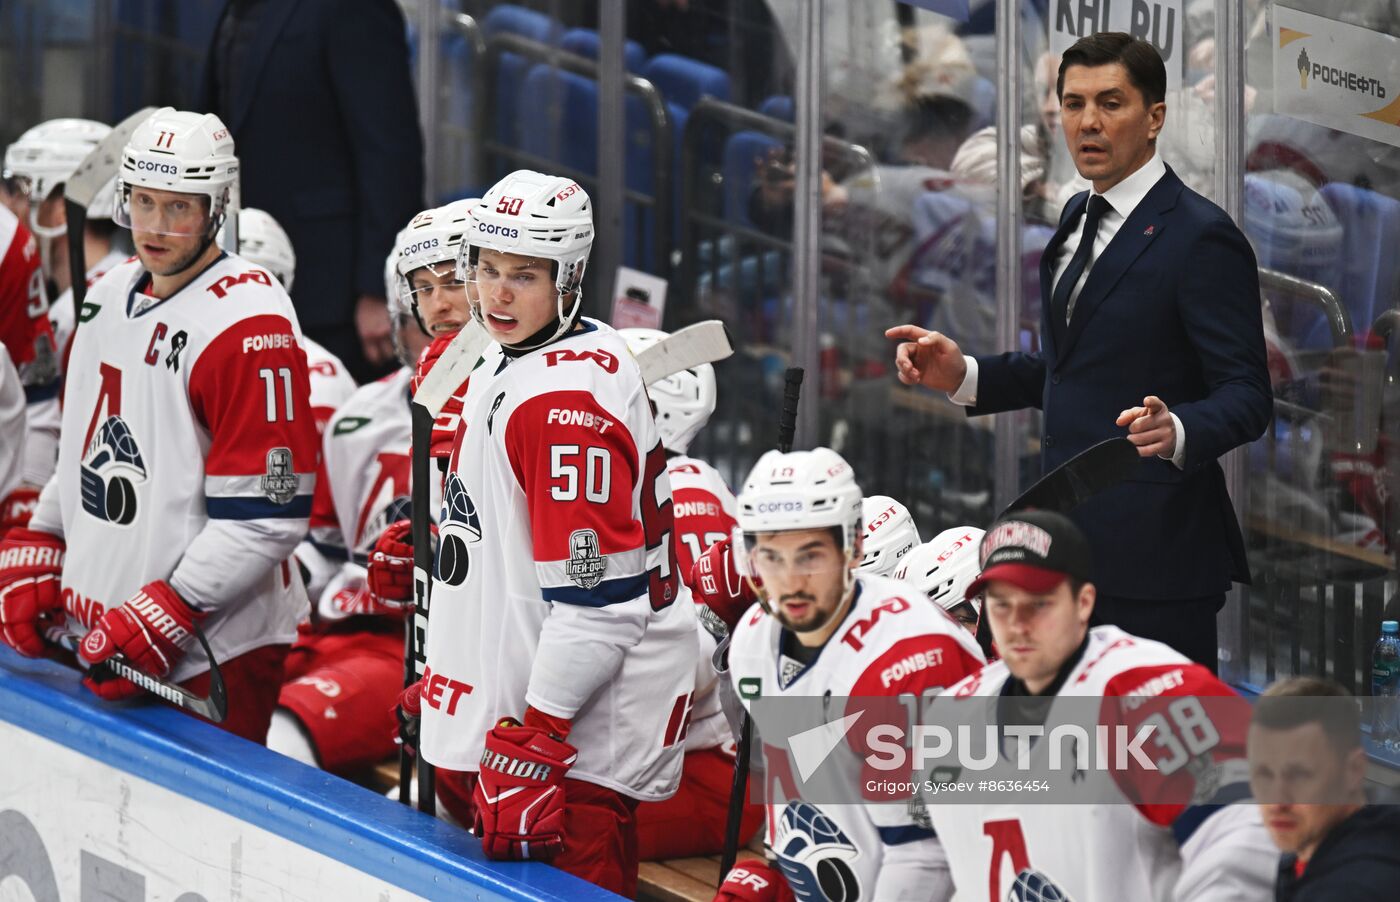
691 823
943 567
188 451
890 534
346 669
823 628
1036 570
11 423
560 664
44 159
25 330
261 240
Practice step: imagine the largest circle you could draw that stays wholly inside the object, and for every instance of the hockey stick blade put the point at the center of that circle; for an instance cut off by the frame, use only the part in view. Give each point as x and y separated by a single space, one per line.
97 169
452 369
213 707
1080 478
706 342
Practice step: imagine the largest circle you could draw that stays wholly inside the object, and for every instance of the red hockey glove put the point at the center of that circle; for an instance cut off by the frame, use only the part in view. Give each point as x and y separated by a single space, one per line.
391 566
408 711
151 629
445 426
519 793
30 601
715 582
752 880
17 508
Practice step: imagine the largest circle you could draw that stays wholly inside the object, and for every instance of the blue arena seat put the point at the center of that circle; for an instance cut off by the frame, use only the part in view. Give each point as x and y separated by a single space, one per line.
570 138
586 42
779 106
511 68
738 171
683 81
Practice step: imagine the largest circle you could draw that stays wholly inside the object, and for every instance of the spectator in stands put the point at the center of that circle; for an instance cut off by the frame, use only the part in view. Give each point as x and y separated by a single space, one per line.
1307 772
318 96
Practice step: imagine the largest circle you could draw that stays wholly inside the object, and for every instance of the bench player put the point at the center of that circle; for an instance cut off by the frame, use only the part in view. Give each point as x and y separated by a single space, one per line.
187 453
1151 845
346 669
559 664
824 629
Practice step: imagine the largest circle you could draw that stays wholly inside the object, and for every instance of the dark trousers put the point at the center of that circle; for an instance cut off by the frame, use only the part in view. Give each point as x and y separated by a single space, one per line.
1186 624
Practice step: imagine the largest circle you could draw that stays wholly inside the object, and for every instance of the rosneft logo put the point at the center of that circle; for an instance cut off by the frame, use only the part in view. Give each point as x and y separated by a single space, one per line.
1312 70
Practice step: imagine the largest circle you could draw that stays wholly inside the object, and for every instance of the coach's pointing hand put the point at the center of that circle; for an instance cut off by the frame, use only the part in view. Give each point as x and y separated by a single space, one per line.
926 358
1151 428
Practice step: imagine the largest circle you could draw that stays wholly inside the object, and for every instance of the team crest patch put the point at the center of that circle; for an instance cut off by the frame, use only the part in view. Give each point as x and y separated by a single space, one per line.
790 671
110 472
280 483
586 565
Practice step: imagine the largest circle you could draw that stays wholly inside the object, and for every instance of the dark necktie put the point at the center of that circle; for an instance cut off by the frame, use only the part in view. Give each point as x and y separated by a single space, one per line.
1059 301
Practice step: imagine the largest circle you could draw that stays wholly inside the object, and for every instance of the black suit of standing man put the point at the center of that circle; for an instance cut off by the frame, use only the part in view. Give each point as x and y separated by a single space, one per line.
318 97
1151 324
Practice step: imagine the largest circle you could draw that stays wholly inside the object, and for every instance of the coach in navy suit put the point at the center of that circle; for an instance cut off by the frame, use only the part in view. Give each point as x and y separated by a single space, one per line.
318 97
1151 324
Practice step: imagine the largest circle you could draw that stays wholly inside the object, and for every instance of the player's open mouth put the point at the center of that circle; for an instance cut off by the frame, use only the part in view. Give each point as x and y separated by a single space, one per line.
501 321
154 250
448 327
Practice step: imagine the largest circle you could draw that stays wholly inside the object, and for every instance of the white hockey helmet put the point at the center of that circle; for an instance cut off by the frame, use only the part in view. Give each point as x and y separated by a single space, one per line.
400 312
943 567
433 239
801 490
535 215
684 401
48 154
890 534
262 241
183 152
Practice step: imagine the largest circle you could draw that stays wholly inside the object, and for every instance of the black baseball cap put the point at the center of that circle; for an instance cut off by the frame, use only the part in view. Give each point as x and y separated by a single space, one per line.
1034 550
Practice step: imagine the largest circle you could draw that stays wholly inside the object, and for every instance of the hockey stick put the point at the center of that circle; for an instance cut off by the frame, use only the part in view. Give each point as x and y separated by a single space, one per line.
706 342
213 707
447 375
738 791
1091 471
93 173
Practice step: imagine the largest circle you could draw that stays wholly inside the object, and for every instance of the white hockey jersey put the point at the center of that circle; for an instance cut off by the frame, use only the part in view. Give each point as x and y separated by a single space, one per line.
363 484
705 512
556 582
62 315
187 454
892 642
331 383
1086 852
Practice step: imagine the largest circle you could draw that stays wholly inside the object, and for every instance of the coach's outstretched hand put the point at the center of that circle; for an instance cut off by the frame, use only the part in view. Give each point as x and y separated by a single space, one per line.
930 359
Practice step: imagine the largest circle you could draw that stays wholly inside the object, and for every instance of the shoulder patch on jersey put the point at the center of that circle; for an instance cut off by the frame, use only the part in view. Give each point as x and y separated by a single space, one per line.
586 566
88 311
280 482
750 687
347 425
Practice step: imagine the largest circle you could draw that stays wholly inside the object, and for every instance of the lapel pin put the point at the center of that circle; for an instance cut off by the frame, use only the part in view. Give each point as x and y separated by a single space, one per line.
1149 230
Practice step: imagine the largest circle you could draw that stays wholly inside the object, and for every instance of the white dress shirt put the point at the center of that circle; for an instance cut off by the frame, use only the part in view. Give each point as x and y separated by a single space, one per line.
1122 199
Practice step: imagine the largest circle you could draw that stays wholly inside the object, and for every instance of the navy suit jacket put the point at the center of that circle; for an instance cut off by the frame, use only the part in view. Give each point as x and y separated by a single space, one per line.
1170 308
325 125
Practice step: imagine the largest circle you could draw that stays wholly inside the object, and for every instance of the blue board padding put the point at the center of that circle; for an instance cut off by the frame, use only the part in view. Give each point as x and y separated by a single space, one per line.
314 809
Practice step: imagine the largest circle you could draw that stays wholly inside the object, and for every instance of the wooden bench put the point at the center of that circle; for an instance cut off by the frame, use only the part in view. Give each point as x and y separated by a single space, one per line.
677 880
